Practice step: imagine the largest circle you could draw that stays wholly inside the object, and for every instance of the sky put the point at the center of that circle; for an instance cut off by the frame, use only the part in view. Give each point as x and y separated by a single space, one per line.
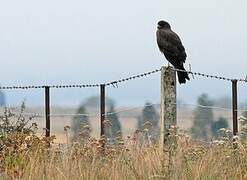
78 41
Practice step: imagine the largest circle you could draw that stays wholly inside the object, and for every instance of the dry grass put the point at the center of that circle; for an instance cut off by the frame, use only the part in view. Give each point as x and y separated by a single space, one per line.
24 155
185 159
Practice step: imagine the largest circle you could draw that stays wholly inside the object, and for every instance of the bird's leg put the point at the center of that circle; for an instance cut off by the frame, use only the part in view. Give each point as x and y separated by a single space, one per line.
168 64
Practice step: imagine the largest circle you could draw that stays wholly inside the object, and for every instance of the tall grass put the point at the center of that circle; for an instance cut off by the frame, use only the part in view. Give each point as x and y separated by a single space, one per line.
187 160
23 155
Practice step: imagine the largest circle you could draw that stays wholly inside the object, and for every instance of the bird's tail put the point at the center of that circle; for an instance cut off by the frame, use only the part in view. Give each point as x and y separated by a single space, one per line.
182 76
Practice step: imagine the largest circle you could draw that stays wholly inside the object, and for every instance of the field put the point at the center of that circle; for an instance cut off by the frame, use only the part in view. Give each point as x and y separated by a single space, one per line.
33 156
182 159
128 120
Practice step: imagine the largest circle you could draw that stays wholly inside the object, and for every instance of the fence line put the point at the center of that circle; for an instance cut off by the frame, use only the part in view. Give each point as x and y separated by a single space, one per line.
168 83
211 76
115 83
130 109
89 115
208 107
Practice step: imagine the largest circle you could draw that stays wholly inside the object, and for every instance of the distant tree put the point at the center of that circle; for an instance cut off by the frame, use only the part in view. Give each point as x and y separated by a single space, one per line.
203 118
93 102
216 125
149 120
113 127
2 99
80 124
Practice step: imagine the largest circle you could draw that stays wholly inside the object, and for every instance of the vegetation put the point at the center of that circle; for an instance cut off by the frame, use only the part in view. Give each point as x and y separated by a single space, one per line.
148 122
204 126
25 155
203 118
93 102
80 122
113 126
18 143
216 125
30 157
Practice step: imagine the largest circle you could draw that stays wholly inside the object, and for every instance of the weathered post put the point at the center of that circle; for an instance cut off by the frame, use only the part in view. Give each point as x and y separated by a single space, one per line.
168 102
102 116
234 107
47 111
102 110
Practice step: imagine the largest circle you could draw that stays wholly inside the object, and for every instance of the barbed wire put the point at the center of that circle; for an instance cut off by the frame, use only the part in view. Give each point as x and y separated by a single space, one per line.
115 83
132 77
51 86
208 75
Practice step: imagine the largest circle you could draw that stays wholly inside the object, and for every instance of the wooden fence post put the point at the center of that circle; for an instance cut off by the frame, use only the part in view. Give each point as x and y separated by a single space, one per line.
234 107
102 110
47 111
168 107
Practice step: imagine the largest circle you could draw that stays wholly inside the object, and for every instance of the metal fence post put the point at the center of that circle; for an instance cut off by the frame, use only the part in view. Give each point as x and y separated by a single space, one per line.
234 107
47 111
168 106
102 110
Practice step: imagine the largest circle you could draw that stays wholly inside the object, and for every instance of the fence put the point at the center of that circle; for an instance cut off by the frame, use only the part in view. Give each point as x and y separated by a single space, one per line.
168 96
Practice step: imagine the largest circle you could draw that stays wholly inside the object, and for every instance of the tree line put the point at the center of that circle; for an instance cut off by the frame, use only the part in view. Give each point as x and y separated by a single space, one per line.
205 125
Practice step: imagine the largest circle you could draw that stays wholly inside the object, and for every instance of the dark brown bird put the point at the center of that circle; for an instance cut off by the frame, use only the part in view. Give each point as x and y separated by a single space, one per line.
171 46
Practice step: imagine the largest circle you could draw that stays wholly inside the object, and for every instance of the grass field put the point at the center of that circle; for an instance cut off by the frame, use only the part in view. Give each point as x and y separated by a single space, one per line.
183 158
29 156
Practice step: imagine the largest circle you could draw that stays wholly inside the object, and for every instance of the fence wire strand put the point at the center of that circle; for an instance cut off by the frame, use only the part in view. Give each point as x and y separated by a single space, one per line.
115 83
210 76
130 109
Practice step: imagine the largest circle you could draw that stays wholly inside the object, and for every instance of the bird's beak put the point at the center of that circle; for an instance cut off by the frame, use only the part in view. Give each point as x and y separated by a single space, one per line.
159 27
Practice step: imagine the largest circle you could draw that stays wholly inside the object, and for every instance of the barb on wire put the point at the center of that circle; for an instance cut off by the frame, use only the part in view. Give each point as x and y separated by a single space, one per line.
242 80
114 84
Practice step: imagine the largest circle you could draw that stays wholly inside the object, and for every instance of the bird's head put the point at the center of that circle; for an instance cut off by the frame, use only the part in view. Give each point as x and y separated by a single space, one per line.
163 25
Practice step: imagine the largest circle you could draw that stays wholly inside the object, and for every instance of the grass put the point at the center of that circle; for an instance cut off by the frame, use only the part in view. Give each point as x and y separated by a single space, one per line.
184 158
25 155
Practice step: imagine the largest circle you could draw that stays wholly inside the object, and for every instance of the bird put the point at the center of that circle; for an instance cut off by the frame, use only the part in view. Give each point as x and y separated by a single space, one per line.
171 46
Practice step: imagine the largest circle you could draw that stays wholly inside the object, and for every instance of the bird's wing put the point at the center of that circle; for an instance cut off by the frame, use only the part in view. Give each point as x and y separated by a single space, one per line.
170 43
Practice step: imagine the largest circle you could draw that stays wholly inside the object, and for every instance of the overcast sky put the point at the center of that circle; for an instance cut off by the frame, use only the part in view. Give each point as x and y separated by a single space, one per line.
78 41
